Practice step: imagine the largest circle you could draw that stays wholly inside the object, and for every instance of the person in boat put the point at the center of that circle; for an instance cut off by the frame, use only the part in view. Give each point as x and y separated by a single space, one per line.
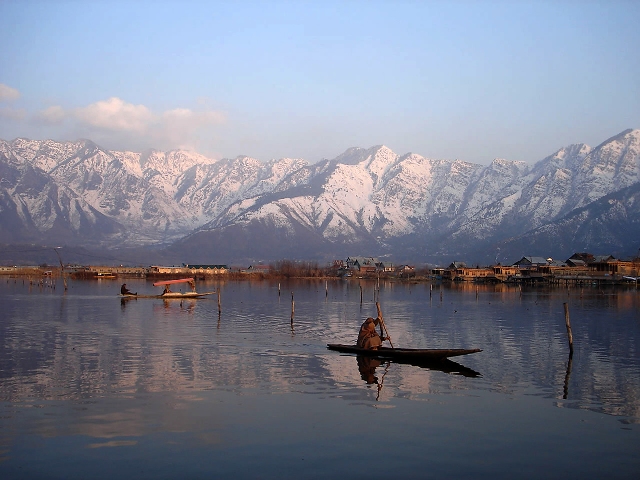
368 337
125 291
166 290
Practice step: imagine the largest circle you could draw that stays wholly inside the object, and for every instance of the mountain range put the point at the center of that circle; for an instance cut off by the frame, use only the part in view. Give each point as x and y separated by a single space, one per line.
182 207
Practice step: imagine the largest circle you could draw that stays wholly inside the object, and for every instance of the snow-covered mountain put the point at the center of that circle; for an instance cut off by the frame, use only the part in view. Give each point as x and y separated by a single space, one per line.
366 201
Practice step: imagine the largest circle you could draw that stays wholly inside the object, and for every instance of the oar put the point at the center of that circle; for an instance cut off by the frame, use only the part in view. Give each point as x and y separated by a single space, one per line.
386 332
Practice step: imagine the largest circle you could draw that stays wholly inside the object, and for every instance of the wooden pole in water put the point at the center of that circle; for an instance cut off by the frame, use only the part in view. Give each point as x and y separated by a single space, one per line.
278 289
360 294
219 304
384 326
64 279
568 324
326 288
293 308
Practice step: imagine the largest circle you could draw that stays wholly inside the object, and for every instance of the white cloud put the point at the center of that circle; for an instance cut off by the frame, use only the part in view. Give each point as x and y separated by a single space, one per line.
116 124
177 128
8 93
116 115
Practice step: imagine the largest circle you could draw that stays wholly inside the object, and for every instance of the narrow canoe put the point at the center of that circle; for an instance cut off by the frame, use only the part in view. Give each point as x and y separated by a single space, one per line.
171 295
403 353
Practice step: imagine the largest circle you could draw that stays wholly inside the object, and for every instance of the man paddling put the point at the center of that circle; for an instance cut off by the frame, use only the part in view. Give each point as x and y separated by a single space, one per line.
368 337
125 291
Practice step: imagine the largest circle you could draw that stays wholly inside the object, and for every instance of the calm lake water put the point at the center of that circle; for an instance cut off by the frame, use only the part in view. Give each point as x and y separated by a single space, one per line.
93 387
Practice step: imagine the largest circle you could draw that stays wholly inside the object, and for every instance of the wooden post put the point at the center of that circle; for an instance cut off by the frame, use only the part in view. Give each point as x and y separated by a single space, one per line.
278 289
219 304
64 279
293 308
360 294
568 324
430 289
326 288
383 326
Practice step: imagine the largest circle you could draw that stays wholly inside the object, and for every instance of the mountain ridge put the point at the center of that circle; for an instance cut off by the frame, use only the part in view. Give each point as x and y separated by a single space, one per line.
405 206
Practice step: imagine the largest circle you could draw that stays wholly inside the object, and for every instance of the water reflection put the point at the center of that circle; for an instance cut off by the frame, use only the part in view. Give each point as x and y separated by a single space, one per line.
367 367
86 372
86 343
565 394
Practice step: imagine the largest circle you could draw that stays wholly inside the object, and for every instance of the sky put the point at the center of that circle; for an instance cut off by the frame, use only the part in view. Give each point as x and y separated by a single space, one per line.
469 80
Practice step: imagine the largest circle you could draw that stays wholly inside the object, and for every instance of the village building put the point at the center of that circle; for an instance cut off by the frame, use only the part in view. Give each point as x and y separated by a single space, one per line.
364 266
161 270
385 267
473 274
506 273
450 272
207 269
108 271
615 268
437 273
406 271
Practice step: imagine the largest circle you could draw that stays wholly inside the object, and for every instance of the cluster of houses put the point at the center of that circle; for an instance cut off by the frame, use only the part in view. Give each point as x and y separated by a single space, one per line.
370 266
580 268
155 270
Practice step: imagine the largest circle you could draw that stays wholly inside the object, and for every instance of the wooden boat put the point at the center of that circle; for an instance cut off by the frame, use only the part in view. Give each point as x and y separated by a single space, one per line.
169 295
105 275
408 354
432 359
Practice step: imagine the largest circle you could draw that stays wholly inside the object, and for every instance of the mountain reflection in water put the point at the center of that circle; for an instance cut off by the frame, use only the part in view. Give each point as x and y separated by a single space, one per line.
90 386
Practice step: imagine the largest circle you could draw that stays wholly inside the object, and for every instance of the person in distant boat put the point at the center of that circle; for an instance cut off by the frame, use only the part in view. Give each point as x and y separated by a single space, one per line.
166 290
125 291
368 337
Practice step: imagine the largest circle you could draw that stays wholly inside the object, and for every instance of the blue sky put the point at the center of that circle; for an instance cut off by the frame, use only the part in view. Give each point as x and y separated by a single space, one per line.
473 80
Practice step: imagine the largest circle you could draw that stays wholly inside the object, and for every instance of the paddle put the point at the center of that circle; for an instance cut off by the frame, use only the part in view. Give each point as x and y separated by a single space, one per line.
382 324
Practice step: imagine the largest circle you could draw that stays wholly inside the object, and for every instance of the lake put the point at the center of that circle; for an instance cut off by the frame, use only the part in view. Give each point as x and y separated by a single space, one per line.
95 387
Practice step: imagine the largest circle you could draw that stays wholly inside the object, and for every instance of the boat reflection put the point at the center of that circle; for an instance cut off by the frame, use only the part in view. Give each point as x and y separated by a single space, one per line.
171 304
188 305
367 367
